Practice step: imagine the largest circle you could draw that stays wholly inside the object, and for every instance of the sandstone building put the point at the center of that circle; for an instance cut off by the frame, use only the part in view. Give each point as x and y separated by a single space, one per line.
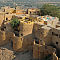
38 33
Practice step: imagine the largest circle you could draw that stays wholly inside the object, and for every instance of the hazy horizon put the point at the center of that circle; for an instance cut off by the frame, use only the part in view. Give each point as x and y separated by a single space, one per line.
32 0
28 3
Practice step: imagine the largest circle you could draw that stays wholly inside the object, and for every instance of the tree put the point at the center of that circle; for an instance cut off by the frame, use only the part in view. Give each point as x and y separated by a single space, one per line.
50 10
14 22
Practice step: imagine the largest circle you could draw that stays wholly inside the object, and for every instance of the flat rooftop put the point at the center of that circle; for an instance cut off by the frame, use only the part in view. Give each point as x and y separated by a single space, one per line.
46 18
46 27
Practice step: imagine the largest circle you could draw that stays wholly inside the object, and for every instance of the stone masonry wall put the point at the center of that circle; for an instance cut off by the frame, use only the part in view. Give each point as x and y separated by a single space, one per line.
41 51
26 28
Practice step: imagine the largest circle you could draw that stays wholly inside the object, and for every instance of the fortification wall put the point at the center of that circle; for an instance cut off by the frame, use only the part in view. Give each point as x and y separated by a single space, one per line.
56 37
23 43
1 18
46 35
41 32
17 43
26 28
42 51
36 30
5 37
33 11
28 42
8 17
2 38
8 27
9 36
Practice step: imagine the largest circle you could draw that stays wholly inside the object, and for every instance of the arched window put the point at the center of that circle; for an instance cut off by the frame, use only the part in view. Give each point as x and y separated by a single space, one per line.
6 18
21 34
57 43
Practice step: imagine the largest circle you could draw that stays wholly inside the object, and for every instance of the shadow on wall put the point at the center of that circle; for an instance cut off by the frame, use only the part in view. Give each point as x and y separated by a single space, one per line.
23 43
44 34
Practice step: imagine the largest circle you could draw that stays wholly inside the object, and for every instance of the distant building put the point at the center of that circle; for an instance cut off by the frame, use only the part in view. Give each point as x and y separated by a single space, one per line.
20 10
34 11
38 33
7 9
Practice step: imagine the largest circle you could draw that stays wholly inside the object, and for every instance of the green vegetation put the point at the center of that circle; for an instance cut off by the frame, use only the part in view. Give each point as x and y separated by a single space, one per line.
14 22
50 10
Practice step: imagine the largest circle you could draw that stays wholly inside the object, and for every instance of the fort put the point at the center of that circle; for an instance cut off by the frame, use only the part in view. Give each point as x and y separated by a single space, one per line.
39 34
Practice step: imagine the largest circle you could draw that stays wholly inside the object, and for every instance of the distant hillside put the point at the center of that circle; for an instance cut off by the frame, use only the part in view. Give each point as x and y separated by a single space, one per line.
33 0
40 0
26 3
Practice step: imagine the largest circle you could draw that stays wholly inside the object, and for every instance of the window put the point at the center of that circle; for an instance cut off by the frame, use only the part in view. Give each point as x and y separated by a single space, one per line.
2 29
57 43
21 39
41 32
21 34
6 18
34 12
5 27
20 18
4 10
37 41
37 11
52 33
26 18
56 34
7 13
30 12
